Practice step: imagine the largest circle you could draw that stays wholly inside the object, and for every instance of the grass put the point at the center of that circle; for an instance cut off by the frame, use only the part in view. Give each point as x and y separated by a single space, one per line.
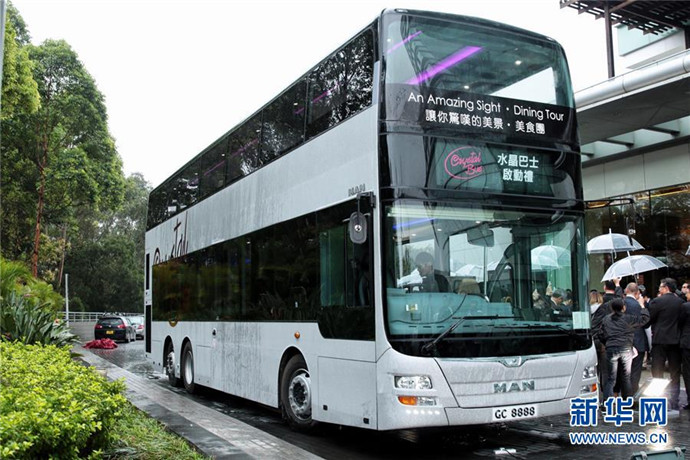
138 436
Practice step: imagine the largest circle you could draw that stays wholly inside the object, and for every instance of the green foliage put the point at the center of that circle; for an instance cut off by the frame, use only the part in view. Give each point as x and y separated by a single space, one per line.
106 276
60 168
106 265
20 321
137 436
16 278
19 89
51 406
28 308
58 160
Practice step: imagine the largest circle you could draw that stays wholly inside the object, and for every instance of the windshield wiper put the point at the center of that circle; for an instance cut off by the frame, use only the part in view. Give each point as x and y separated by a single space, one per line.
432 344
569 332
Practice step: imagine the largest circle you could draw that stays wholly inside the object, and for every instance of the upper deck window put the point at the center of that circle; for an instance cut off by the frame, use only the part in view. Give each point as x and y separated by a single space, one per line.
473 58
475 77
333 91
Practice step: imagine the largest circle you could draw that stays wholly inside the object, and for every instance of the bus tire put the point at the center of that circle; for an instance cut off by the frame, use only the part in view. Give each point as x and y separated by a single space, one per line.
187 368
295 395
169 367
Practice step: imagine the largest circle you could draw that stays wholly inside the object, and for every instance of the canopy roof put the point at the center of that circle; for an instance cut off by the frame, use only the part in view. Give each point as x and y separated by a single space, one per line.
653 17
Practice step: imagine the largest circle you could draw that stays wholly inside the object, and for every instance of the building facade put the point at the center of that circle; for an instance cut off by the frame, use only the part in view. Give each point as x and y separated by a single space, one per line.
635 136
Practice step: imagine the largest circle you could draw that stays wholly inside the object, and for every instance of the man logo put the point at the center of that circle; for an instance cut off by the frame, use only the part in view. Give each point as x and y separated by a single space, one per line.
508 387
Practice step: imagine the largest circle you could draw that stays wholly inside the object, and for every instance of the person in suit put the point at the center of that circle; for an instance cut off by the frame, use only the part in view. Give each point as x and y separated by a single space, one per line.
685 344
664 313
559 310
633 306
612 290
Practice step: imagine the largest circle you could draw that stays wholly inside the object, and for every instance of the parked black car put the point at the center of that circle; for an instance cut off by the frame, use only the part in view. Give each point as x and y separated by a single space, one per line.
116 328
138 323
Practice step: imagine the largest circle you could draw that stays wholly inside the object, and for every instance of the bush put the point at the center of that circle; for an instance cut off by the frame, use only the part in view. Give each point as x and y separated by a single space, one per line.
51 406
28 308
15 277
30 324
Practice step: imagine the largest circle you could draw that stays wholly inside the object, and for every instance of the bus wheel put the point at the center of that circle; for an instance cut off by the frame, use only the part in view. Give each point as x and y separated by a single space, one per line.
170 366
295 395
187 369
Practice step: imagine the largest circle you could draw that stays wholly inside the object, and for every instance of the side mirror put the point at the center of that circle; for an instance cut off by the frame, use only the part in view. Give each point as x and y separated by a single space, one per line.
357 228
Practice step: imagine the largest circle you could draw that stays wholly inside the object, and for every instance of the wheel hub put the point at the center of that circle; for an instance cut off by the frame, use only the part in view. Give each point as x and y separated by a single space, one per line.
170 364
300 395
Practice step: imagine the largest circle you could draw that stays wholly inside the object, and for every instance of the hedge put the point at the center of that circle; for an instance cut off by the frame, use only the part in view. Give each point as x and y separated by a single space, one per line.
51 406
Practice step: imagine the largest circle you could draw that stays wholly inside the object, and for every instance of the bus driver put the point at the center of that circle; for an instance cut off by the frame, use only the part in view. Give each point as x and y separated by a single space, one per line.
431 281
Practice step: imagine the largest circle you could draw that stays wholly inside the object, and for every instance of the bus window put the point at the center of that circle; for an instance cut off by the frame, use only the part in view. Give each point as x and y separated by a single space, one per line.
360 77
244 149
327 95
283 123
212 169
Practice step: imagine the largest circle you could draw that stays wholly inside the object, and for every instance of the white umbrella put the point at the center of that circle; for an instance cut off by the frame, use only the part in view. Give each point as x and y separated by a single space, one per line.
494 265
412 278
612 242
470 270
548 256
632 265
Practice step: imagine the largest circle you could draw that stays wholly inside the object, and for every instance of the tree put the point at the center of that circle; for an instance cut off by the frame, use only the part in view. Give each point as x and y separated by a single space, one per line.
65 199
19 89
106 262
62 155
20 98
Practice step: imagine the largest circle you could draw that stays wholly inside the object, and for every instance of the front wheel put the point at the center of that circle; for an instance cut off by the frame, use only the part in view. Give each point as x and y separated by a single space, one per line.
187 369
295 395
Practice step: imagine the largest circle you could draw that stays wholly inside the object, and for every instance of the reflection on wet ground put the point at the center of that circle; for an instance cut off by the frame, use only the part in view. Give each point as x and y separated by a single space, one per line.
544 438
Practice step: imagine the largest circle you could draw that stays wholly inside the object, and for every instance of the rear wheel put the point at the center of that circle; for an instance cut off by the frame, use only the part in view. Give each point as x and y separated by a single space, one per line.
295 395
187 369
170 366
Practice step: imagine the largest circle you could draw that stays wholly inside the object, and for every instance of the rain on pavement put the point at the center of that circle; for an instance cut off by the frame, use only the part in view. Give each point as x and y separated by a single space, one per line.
543 438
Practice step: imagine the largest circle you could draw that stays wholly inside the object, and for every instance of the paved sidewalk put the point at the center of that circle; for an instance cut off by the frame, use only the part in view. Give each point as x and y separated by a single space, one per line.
213 433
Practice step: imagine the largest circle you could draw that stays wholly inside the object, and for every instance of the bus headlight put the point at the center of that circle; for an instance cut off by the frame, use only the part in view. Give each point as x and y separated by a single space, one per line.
590 372
413 382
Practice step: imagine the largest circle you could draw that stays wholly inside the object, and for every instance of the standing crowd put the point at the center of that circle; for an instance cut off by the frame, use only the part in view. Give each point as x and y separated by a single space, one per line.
627 325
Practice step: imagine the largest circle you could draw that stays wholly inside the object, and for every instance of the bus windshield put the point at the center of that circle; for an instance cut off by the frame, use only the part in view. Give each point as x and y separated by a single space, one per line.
502 275
473 58
465 76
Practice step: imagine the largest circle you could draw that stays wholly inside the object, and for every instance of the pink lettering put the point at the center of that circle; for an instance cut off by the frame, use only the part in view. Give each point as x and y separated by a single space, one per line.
464 163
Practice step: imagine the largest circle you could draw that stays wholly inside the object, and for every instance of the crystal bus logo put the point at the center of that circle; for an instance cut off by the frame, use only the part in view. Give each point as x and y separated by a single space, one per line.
464 163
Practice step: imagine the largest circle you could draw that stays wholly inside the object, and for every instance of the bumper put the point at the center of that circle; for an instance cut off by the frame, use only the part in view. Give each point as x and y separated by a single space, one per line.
116 334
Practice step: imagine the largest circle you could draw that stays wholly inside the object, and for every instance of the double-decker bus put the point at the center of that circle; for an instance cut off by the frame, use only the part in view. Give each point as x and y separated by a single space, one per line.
394 241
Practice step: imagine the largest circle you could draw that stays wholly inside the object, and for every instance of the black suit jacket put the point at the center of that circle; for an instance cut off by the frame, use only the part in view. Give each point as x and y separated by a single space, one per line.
632 307
685 326
664 315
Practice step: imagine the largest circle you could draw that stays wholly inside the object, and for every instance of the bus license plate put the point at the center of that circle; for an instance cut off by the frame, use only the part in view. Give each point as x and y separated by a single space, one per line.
502 414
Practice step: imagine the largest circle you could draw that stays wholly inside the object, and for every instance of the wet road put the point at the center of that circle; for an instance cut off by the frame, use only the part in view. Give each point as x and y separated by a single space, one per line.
545 438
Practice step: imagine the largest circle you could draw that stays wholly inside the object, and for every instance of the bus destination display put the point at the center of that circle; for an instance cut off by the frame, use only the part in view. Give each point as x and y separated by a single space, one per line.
479 113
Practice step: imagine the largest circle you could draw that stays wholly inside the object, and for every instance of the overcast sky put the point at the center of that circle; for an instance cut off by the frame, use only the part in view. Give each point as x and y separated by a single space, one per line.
177 75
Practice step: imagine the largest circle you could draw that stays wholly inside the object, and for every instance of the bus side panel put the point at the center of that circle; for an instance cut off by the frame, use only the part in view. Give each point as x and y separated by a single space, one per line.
241 367
247 360
319 174
347 392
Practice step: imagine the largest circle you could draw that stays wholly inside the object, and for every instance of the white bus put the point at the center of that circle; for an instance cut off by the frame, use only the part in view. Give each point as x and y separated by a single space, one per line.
394 241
